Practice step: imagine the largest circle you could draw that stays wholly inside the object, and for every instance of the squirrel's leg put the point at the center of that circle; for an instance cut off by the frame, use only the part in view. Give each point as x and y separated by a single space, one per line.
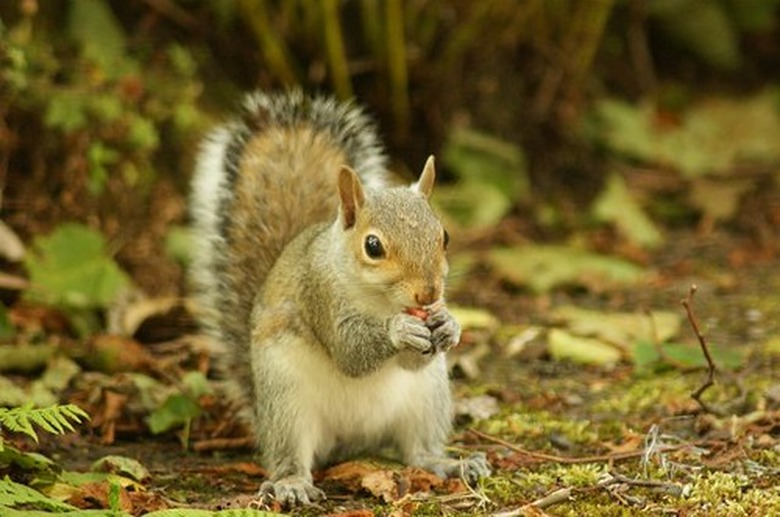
287 432
422 432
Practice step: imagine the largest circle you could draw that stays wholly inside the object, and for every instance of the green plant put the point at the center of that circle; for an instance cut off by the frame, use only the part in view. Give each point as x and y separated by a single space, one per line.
55 419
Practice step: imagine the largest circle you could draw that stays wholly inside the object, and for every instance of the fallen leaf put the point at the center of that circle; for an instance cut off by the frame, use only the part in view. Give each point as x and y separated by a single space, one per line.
619 328
480 407
96 495
349 473
718 200
543 268
714 135
566 346
112 353
616 205
381 484
123 466
177 410
645 354
11 247
422 480
473 318
457 206
71 267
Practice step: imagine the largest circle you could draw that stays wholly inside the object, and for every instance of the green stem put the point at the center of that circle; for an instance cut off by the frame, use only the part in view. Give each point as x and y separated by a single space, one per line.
334 47
271 46
397 66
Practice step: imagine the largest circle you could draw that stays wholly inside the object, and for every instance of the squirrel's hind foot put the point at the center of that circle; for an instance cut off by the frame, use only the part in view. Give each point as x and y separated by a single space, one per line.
470 469
291 491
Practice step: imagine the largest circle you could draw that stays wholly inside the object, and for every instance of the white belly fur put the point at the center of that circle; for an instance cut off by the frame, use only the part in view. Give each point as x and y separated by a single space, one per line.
336 410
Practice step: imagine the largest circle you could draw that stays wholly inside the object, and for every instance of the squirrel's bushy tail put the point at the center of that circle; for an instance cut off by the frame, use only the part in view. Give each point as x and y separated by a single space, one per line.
260 180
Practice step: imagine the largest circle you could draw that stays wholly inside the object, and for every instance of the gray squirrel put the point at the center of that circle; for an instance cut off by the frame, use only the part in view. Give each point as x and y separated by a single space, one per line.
323 287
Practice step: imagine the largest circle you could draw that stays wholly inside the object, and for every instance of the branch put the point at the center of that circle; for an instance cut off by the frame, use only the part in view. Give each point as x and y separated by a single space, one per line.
601 458
696 395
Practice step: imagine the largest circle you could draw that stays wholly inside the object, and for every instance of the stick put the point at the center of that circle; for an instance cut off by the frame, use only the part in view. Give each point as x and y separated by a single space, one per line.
551 458
696 395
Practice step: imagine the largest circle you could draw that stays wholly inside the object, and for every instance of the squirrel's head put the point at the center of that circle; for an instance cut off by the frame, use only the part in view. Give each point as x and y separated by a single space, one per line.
395 241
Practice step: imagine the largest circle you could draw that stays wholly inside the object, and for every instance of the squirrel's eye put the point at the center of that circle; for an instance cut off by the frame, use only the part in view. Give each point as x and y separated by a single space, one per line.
446 239
373 247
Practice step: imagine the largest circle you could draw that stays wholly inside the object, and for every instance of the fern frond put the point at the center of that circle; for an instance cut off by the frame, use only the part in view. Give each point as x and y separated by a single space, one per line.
55 419
14 494
16 420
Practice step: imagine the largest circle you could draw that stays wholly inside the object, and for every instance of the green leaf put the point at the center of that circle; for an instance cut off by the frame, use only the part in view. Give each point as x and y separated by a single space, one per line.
492 178
644 354
616 205
196 384
475 157
65 111
702 27
143 134
30 462
542 268
7 329
472 205
15 494
71 268
106 107
92 24
98 157
713 136
177 410
123 466
10 393
565 346
619 328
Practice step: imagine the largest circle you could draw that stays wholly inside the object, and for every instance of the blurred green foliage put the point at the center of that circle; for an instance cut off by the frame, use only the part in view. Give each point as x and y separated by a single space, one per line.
95 103
103 103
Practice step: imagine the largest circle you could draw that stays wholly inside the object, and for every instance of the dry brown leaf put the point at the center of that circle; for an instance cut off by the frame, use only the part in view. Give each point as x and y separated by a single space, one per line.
363 512
422 481
382 484
350 474
95 495
110 353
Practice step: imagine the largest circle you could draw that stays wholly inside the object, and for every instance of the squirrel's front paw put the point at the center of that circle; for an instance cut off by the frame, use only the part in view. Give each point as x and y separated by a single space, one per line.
410 332
292 491
445 330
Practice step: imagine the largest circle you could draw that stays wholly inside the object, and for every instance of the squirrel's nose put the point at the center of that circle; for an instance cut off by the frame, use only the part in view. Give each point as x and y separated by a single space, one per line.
429 294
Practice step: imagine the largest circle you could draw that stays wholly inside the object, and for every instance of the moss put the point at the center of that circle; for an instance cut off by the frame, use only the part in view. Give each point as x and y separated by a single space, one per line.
531 425
730 494
642 394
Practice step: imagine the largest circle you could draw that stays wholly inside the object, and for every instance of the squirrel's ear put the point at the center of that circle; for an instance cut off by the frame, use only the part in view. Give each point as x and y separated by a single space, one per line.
351 194
424 185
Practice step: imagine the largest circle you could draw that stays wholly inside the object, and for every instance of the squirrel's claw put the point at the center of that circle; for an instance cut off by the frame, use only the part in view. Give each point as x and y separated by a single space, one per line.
291 491
409 332
445 330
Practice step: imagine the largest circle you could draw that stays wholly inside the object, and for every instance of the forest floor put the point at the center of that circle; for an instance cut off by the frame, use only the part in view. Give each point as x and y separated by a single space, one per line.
565 434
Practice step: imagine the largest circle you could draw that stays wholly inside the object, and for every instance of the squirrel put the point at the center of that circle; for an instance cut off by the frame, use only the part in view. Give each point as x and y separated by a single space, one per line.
323 286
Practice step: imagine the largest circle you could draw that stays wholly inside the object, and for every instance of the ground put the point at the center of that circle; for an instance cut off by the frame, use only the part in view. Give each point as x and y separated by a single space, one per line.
564 437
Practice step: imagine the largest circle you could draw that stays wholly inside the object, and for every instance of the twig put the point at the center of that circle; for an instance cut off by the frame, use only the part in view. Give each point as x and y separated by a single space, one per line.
611 457
673 489
696 395
557 497
217 444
